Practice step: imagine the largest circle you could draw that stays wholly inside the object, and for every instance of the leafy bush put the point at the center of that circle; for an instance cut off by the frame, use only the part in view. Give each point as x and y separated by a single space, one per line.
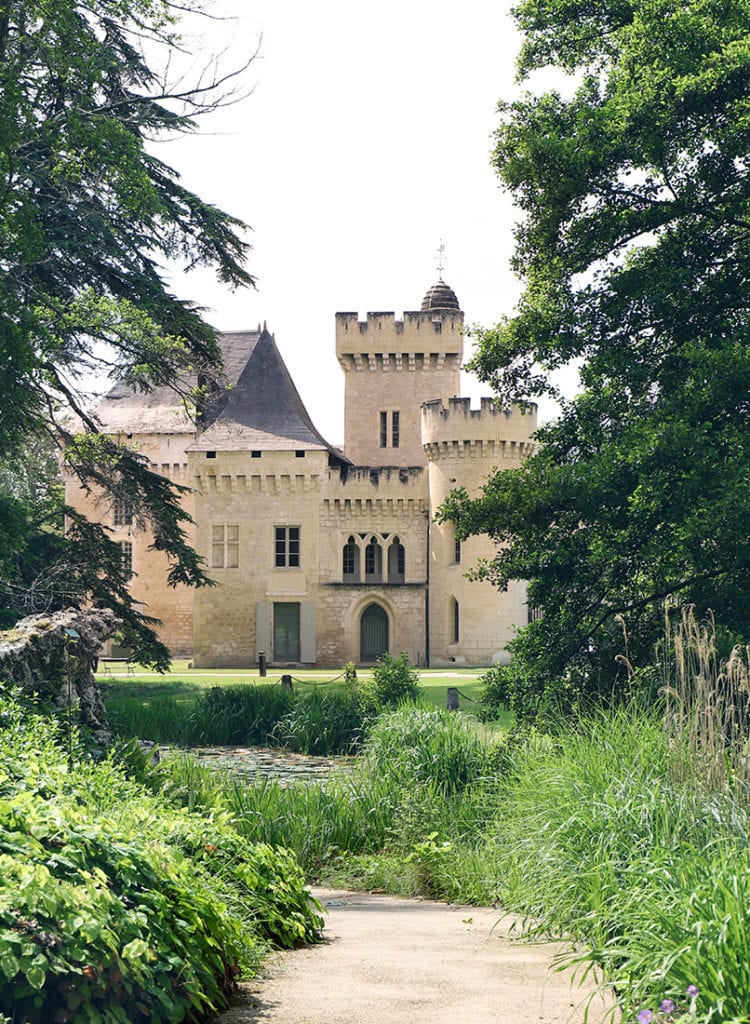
495 694
395 680
115 908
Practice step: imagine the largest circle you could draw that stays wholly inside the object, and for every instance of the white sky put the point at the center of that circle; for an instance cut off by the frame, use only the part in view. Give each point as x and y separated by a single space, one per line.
365 142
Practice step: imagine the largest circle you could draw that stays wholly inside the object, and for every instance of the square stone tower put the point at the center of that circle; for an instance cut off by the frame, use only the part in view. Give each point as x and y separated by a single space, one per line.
391 367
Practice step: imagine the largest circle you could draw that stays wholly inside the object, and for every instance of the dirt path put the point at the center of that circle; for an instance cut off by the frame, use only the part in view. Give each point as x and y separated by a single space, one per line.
395 961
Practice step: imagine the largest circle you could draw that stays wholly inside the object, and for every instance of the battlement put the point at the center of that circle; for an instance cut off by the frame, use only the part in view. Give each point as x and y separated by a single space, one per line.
458 423
418 333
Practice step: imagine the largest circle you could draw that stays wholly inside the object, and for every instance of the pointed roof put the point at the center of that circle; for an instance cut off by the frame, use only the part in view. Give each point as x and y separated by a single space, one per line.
161 411
263 411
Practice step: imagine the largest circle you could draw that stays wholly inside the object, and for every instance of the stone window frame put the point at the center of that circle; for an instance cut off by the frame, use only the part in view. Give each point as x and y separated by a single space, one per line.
350 560
395 428
225 546
126 555
374 558
122 512
287 546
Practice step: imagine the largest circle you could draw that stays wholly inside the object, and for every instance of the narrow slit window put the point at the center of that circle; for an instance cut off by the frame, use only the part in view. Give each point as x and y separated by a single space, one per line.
384 430
373 562
395 432
126 554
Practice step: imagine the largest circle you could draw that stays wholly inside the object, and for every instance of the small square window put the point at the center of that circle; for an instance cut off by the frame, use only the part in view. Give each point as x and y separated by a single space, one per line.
254 454
210 455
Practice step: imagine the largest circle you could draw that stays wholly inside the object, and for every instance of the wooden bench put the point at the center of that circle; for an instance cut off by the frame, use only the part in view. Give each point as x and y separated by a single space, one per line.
107 664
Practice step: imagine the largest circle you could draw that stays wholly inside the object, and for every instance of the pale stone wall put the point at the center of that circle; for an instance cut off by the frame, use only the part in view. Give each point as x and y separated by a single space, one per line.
341 609
381 503
173 606
394 366
257 495
463 446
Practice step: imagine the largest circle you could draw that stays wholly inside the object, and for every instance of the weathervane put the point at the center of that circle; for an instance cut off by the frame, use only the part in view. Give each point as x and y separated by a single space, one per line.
441 259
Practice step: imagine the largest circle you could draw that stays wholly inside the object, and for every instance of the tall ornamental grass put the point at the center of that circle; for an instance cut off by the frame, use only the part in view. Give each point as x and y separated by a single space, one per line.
310 723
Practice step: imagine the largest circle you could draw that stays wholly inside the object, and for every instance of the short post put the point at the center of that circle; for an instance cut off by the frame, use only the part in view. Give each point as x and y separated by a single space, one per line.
261 663
286 682
452 702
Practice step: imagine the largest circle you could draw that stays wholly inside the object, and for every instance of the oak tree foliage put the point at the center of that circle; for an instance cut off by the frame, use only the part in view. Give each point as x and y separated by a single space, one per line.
633 185
89 216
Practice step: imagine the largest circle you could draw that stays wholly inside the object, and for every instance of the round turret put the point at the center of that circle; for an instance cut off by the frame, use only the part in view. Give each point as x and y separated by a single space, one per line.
440 296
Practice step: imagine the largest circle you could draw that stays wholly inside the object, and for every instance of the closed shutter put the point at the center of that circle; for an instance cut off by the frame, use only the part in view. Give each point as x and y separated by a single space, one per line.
309 651
263 629
286 631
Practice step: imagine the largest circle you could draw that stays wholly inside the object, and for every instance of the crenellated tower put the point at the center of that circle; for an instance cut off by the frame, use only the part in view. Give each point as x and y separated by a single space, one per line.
470 623
391 367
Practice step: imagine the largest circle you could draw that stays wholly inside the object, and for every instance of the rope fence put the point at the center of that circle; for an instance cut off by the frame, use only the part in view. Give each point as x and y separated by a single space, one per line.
317 682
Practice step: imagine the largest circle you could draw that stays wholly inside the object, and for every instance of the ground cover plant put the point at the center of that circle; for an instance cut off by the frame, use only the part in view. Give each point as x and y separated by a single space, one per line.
116 905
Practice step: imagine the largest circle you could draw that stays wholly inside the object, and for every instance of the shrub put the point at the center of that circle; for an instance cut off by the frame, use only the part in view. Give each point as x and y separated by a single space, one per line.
495 695
116 908
395 680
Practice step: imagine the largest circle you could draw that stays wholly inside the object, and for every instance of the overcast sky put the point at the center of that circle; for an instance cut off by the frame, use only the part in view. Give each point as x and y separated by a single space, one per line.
365 141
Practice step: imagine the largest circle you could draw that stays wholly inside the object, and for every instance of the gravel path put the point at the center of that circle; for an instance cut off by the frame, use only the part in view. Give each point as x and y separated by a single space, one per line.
394 961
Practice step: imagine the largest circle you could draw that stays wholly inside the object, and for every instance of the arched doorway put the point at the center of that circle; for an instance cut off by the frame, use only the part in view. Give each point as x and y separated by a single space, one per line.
373 633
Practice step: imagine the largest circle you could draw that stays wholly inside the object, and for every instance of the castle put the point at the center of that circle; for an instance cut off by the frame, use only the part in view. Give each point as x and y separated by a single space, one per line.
323 556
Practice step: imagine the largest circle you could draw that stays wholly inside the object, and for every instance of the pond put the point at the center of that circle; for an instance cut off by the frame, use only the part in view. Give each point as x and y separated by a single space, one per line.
261 762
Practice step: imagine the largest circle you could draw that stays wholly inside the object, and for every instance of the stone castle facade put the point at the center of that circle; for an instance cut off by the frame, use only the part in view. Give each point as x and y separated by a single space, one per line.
323 556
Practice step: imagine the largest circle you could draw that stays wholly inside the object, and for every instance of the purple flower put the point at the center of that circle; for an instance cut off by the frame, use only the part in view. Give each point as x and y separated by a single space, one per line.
667 1006
692 991
645 1017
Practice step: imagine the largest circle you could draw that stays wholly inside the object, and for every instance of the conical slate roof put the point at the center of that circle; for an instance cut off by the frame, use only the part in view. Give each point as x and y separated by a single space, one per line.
440 296
263 411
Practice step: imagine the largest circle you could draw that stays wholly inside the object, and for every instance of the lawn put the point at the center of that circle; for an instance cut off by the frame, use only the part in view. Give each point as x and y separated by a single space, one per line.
183 683
161 707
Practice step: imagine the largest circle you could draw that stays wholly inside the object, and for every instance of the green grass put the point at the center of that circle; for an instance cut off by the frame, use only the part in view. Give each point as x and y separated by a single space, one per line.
172 708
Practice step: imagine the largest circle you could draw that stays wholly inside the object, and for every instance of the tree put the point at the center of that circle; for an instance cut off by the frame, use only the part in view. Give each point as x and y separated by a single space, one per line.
634 246
87 212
